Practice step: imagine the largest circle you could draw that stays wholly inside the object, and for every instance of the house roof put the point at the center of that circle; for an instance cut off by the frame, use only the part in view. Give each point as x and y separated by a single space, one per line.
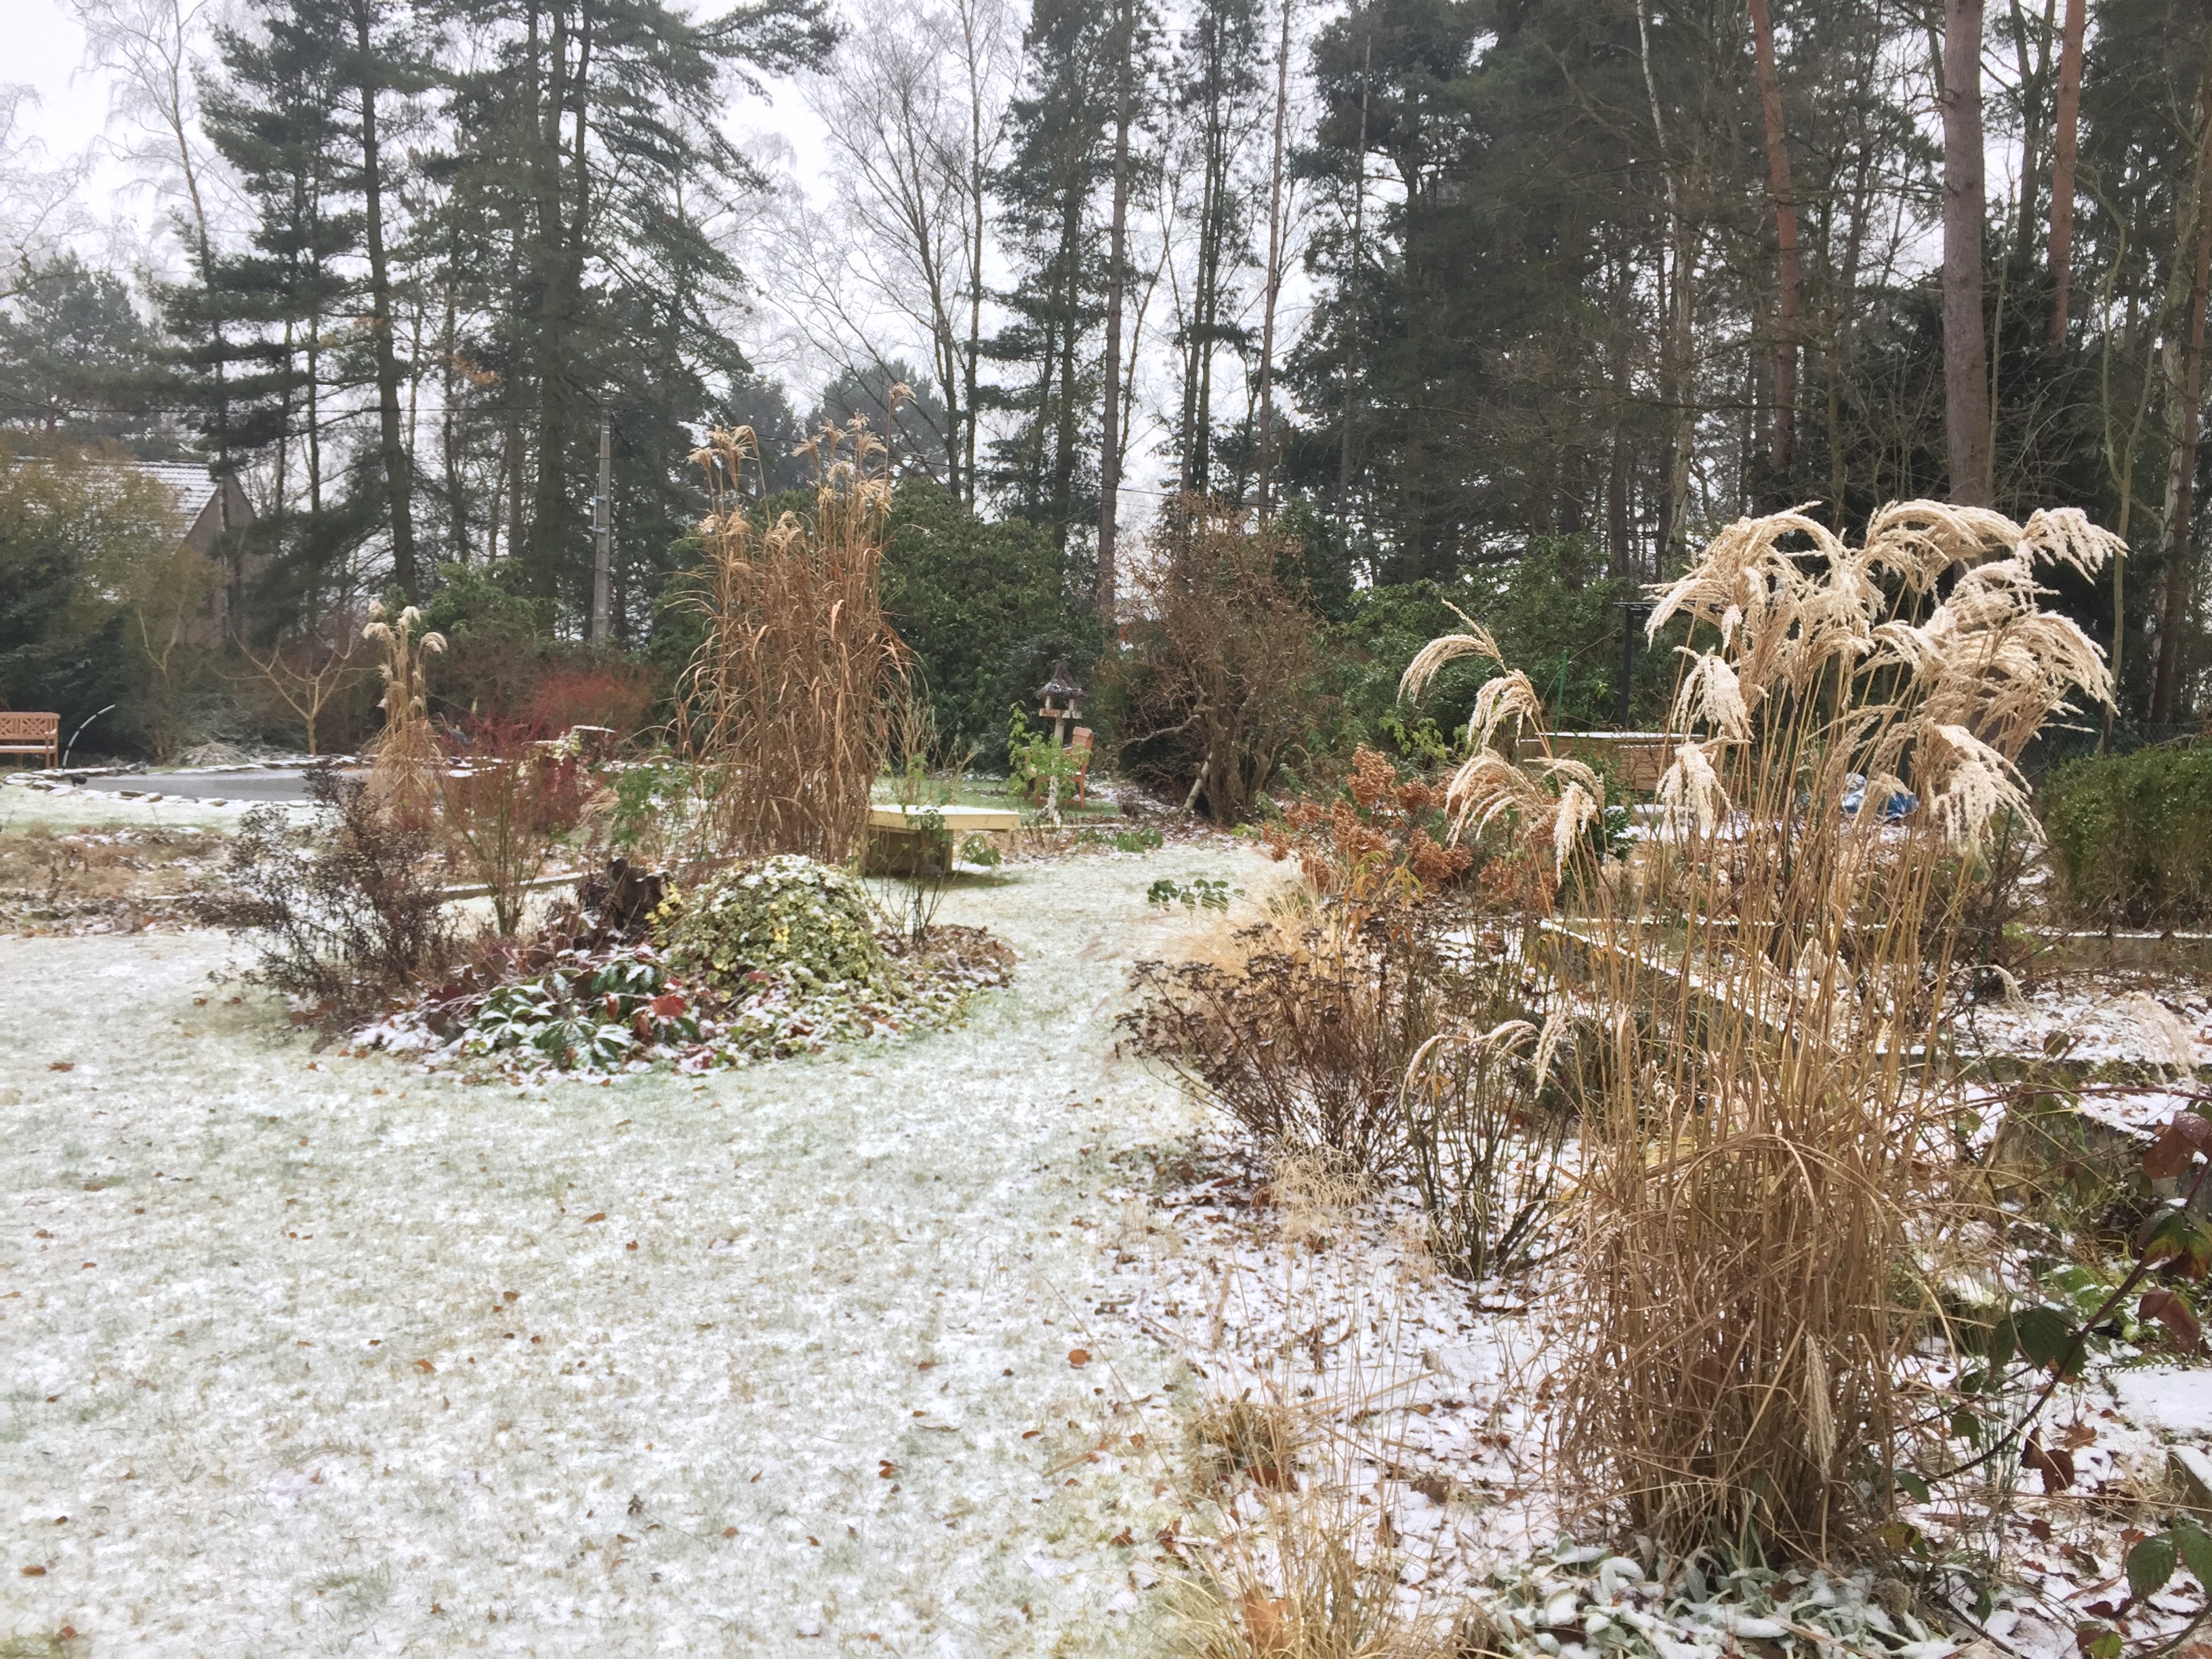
190 484
204 507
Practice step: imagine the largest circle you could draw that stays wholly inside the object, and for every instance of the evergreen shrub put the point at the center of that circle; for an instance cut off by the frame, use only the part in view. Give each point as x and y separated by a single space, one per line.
2127 835
786 917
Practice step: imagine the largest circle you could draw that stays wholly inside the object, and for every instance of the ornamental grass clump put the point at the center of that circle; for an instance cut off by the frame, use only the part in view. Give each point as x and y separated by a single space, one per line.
405 753
1760 1149
784 706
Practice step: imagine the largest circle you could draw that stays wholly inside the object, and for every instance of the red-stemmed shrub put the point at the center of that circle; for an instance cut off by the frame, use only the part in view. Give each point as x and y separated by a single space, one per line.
615 694
504 805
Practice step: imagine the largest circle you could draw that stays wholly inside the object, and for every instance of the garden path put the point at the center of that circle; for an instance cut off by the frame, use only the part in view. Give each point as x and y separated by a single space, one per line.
315 1352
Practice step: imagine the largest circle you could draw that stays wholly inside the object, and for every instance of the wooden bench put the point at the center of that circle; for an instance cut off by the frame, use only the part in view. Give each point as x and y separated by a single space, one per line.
23 733
1636 760
899 837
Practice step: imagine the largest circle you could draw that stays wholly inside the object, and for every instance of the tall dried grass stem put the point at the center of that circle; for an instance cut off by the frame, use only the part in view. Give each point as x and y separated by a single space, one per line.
784 706
1756 1180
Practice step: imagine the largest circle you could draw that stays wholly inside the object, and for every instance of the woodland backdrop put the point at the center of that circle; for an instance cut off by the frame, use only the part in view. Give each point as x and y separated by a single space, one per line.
1506 302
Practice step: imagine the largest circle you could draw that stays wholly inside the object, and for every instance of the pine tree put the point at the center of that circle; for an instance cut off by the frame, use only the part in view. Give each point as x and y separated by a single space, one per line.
1216 91
592 134
1060 153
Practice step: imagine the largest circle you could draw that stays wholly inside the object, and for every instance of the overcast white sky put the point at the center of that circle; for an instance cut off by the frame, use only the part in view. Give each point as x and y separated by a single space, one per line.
128 226
46 49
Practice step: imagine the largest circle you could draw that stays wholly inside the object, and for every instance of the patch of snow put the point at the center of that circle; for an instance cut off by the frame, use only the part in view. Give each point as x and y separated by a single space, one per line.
2167 1399
2090 1018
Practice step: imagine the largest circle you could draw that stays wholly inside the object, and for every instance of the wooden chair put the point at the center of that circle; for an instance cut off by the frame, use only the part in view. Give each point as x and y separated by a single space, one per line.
25 733
1080 741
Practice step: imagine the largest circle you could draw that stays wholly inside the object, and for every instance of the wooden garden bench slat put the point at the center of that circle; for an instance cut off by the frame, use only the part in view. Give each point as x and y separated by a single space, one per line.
25 733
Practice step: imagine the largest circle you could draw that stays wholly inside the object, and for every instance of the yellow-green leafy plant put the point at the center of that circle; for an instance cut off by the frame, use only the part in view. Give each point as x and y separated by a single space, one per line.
1761 1159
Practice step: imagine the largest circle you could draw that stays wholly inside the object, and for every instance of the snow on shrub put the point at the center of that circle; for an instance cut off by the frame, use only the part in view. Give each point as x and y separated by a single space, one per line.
787 918
770 960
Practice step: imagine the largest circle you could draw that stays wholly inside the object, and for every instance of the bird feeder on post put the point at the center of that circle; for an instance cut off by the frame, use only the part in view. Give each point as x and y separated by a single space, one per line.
1633 614
1056 702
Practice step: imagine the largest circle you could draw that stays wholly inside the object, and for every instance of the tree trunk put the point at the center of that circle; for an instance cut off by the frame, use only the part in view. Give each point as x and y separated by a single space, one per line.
1677 348
2035 78
2178 581
1064 427
1783 436
1110 440
397 488
1357 277
978 208
2064 149
1965 349
449 443
1274 273
551 532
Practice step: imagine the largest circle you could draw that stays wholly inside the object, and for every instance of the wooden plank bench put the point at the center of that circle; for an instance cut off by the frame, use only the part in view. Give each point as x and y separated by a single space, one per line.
1636 760
897 837
24 733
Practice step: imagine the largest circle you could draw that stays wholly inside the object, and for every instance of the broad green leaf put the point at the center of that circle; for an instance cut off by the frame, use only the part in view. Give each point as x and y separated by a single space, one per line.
2150 1563
2046 1336
2196 1546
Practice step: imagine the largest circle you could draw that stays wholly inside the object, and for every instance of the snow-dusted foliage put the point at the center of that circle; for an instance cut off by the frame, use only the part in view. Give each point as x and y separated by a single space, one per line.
785 917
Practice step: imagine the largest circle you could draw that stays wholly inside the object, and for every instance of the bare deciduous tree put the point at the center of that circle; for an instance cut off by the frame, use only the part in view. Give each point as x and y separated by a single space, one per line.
37 202
154 49
913 109
312 671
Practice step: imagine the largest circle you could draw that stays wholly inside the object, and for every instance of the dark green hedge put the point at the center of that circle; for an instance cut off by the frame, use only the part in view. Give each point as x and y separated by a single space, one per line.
2131 836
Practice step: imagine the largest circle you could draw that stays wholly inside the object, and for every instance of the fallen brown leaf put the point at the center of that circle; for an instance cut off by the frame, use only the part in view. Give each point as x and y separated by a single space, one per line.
2054 1463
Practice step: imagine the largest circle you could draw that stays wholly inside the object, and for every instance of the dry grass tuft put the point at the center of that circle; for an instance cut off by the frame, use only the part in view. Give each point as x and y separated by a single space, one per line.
1315 1600
1246 1439
1315 1195
1756 1143
1292 1566
784 706
406 750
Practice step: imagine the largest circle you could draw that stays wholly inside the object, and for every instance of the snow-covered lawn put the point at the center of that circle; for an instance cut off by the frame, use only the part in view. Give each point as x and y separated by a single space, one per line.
897 1350
305 1352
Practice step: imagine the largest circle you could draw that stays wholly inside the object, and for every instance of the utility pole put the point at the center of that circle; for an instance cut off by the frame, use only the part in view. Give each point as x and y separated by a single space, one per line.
603 534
